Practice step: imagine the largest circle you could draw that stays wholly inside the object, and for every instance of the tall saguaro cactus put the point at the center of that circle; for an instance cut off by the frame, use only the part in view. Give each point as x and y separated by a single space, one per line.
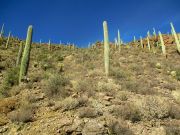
134 39
26 54
119 41
175 36
162 44
106 48
2 31
148 42
49 45
154 32
19 54
8 40
141 41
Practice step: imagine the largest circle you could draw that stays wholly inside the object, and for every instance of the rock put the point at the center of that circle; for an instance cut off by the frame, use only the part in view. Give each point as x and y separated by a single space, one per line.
94 127
158 65
173 73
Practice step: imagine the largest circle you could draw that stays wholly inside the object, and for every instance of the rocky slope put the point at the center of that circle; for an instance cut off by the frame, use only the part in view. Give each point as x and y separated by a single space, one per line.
66 91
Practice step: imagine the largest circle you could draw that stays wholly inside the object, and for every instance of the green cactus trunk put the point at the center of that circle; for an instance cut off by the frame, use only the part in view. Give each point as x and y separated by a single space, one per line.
106 48
119 41
141 42
175 36
162 44
19 54
8 40
26 54
2 31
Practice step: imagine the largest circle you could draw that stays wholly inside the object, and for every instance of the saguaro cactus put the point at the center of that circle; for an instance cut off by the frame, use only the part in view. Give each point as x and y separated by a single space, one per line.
49 45
154 32
175 36
19 54
162 44
106 48
134 39
115 42
2 31
119 41
26 54
148 42
141 41
8 40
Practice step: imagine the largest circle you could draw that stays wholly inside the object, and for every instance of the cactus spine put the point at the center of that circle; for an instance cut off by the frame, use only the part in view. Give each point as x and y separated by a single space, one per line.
26 54
141 41
19 54
106 48
2 31
148 42
175 36
8 40
119 41
162 44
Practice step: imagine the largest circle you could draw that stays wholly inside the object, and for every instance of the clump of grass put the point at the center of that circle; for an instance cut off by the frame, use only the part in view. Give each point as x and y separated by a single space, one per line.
55 86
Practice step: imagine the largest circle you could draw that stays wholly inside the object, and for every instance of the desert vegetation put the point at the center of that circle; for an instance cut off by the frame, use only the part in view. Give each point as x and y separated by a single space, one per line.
110 88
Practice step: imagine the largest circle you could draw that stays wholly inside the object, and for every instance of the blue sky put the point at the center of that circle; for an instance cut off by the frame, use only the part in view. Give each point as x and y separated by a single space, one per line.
80 21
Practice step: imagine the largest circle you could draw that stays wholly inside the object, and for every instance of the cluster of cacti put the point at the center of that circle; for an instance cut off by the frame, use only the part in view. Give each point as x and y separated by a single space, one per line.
19 54
175 36
2 31
26 54
8 40
106 48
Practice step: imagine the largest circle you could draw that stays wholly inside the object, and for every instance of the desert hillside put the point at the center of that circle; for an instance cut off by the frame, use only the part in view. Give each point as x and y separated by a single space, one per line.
66 91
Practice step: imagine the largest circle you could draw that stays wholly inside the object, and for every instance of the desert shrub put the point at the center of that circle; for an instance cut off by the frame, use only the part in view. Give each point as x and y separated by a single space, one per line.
175 112
122 95
118 74
118 127
178 74
127 112
55 86
86 87
154 107
11 78
69 104
24 114
172 130
88 112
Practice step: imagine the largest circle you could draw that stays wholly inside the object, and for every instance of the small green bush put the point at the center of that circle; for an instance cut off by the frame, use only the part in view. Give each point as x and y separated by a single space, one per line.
11 79
55 86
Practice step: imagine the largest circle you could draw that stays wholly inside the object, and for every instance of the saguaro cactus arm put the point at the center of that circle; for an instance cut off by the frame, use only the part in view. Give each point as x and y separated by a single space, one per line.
106 48
175 36
26 54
